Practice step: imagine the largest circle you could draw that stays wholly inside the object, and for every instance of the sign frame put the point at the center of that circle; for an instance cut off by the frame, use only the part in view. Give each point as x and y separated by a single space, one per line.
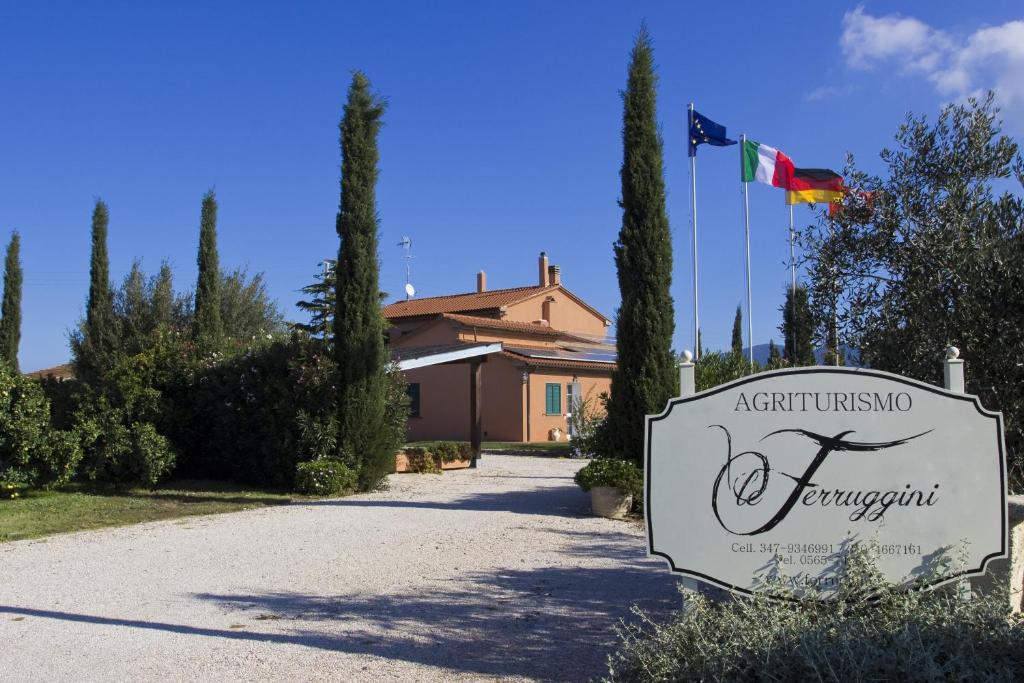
973 399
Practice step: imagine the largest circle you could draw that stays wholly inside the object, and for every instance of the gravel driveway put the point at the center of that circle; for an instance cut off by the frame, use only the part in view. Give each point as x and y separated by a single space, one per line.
492 574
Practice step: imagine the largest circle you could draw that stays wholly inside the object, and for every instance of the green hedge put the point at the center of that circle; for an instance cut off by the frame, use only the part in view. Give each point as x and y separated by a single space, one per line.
423 456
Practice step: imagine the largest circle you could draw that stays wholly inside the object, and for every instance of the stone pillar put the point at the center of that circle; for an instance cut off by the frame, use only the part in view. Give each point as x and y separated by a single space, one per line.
1000 572
687 381
953 370
688 387
1008 571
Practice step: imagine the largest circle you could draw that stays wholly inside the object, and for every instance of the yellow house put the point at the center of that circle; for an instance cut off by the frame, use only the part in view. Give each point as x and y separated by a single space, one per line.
535 352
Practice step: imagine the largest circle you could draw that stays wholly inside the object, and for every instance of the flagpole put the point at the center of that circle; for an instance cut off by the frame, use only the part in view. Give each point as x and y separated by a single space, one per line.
693 208
792 289
835 293
746 224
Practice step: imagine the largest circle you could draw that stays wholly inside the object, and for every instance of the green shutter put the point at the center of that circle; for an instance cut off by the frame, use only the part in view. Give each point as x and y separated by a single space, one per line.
553 399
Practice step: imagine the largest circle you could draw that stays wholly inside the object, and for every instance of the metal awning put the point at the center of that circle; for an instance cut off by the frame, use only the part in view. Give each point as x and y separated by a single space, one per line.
424 356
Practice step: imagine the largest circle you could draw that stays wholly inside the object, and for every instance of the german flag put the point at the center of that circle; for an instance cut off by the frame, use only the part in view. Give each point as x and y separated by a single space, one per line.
814 186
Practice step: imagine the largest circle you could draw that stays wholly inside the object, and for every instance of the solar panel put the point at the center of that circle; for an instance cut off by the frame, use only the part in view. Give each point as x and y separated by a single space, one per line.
565 354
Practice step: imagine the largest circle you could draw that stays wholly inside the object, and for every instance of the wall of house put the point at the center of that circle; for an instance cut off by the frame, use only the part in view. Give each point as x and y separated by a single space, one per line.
432 334
444 401
592 384
509 337
566 313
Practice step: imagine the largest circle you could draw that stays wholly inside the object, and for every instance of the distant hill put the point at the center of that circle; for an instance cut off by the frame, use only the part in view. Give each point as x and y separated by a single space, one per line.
761 355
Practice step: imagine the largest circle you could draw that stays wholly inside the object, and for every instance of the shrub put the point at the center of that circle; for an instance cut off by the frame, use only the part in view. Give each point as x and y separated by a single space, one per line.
324 477
421 460
373 468
9 491
121 421
716 368
57 462
124 454
585 421
62 394
30 452
452 451
428 457
253 414
901 634
621 474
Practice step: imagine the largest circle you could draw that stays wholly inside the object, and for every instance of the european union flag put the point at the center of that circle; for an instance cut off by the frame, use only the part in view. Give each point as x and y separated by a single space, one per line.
704 130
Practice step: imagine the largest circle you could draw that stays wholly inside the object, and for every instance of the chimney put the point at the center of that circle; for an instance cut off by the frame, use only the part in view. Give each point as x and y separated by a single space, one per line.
554 275
543 263
481 281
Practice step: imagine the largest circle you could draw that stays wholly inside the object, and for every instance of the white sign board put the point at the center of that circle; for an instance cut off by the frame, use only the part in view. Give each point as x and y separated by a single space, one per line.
779 472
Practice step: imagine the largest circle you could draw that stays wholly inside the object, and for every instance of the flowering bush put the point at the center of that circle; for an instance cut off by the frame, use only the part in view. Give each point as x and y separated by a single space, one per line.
30 452
325 477
611 472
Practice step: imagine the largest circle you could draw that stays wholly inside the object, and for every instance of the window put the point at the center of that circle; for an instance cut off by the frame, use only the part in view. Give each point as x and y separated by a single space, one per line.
553 399
413 390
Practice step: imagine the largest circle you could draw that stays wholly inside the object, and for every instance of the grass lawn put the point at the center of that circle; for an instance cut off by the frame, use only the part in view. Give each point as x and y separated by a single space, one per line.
75 508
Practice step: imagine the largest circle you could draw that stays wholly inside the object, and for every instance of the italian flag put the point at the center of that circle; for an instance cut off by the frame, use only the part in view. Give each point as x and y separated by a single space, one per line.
766 164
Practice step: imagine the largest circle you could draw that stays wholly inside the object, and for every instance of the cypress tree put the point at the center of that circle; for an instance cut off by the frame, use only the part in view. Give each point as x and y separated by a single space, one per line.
207 328
774 357
10 322
737 332
358 323
98 342
132 308
162 298
646 376
797 327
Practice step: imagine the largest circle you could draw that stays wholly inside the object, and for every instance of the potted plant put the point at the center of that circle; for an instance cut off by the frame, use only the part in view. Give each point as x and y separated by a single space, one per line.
612 484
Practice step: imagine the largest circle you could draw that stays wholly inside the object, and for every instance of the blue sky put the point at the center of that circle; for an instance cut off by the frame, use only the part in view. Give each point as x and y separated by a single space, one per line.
502 136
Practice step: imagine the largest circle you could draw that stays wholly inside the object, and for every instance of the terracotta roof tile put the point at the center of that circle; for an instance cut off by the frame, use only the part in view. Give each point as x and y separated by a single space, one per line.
510 325
459 303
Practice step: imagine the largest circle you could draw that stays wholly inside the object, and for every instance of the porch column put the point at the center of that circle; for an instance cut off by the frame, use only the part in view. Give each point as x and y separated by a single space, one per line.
475 394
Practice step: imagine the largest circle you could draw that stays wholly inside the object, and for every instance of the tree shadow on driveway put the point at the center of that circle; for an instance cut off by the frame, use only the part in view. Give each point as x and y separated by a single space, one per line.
562 501
548 623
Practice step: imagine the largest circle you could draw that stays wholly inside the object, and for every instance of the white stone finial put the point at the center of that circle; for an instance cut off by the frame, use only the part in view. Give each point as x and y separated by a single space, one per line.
952 353
687 357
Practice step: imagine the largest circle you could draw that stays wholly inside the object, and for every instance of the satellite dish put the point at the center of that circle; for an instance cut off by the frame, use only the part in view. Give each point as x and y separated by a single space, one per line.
409 289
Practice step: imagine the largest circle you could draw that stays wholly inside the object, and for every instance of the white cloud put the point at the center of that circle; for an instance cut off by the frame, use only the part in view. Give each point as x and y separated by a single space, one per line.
868 41
989 58
824 92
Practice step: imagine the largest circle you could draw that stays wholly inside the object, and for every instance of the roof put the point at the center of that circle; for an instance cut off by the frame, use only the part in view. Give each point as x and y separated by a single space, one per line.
409 358
58 372
552 363
456 303
477 301
596 357
510 325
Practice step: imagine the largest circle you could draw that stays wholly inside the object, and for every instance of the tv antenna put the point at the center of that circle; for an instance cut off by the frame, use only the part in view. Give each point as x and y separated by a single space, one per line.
406 245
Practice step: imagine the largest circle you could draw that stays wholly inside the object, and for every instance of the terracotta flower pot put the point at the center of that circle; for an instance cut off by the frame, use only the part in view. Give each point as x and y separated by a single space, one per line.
610 501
